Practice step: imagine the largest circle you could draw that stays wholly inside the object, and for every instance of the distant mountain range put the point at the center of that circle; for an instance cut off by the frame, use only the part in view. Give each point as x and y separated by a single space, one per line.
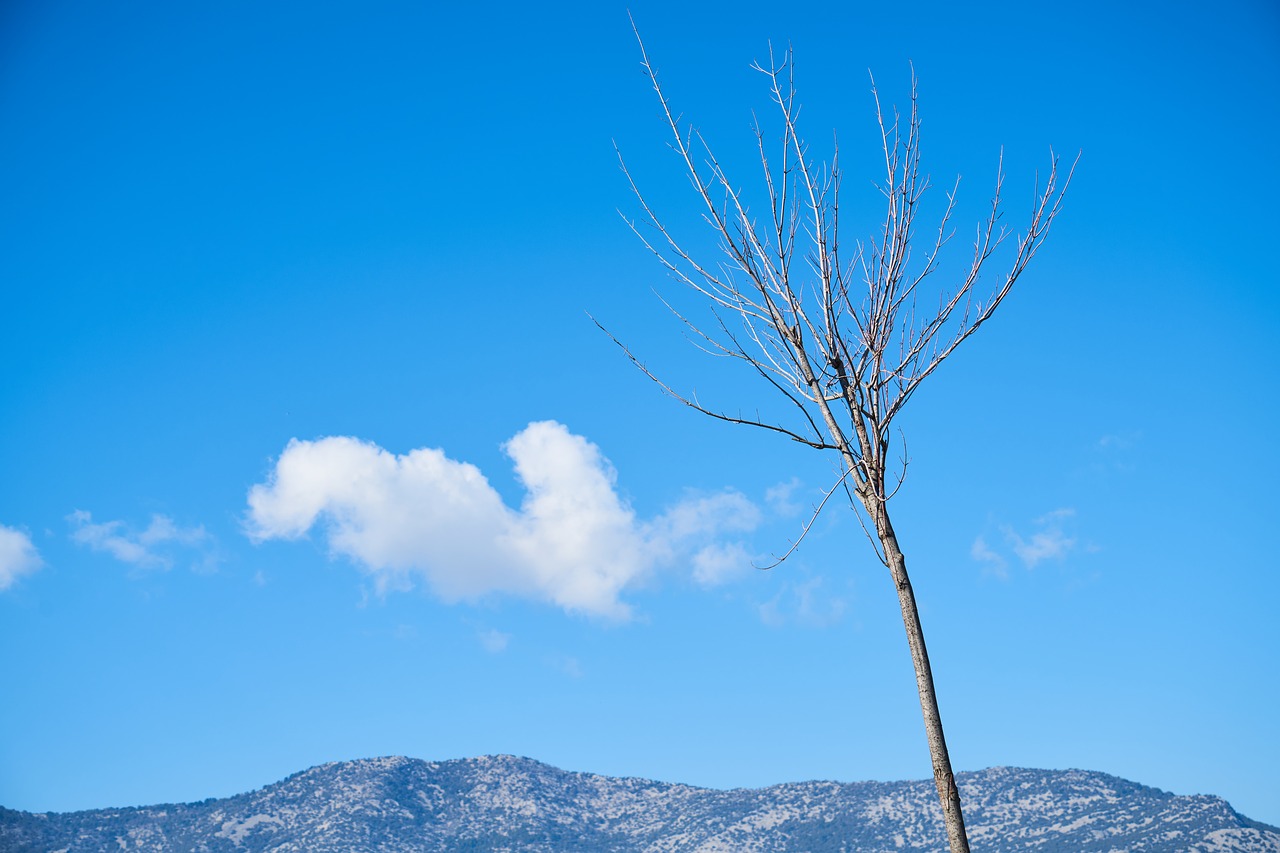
516 805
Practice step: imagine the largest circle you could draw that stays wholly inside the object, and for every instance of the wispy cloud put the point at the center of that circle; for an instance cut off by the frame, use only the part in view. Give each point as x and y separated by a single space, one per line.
995 564
1119 441
1115 453
157 546
1048 540
691 531
18 556
573 541
567 665
809 604
720 562
494 641
779 498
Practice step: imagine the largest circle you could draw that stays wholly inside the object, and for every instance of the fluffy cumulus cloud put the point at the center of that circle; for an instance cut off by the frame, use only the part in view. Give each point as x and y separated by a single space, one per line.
573 541
18 556
157 545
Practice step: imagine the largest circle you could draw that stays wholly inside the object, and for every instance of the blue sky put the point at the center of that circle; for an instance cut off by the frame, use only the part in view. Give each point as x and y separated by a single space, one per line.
295 315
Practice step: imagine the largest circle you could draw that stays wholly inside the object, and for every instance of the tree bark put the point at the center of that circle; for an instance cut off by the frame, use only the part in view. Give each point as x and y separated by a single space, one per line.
943 778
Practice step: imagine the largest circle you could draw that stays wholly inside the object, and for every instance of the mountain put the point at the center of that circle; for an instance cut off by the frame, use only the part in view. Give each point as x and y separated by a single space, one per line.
517 805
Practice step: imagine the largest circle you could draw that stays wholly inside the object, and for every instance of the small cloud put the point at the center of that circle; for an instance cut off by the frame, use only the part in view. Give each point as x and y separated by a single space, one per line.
779 498
405 632
982 552
153 547
567 665
1114 453
692 530
698 517
18 556
494 641
573 541
1120 441
807 604
259 579
719 563
1055 516
1050 540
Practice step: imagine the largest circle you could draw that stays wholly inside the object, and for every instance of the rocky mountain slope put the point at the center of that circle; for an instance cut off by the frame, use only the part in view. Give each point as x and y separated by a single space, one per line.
502 803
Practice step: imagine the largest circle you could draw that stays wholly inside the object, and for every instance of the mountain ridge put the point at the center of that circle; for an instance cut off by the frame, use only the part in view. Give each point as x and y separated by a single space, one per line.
519 805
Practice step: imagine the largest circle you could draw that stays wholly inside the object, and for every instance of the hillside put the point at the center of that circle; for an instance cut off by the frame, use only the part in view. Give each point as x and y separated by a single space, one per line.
502 803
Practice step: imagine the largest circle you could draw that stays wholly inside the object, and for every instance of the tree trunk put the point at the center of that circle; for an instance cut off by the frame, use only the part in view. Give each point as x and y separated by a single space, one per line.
943 778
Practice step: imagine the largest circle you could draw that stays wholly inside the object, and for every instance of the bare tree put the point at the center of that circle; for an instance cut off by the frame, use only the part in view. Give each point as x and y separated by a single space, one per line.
847 337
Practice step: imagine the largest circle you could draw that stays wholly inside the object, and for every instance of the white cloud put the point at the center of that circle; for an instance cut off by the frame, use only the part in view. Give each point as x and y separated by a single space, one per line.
18 556
494 641
720 562
573 541
982 552
1119 441
153 547
694 525
695 515
779 497
1050 542
566 665
806 604
1116 453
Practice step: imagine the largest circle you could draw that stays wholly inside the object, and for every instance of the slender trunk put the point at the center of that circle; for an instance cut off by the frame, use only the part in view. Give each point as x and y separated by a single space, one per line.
943 778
